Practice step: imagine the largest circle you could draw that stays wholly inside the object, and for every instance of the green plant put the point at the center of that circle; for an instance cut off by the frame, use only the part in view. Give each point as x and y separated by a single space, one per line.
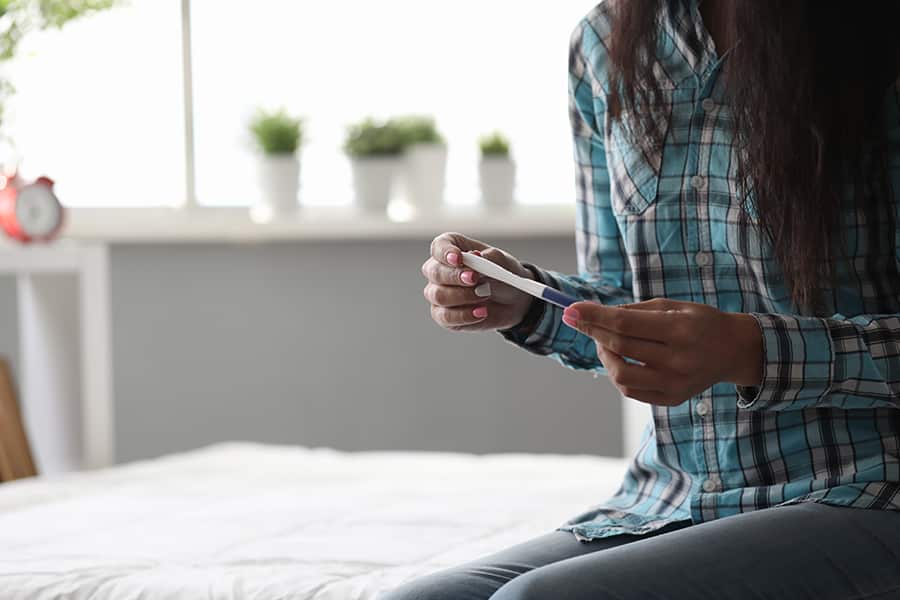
417 129
494 144
373 138
20 17
277 132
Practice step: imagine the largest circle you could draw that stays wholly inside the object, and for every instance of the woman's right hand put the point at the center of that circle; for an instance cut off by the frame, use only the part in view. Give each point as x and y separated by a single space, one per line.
462 299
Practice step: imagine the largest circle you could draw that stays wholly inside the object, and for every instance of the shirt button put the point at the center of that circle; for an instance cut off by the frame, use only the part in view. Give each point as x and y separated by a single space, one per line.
702 409
708 104
703 259
710 485
698 182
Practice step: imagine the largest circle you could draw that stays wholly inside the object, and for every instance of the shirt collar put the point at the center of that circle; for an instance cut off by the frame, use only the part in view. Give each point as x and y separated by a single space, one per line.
692 41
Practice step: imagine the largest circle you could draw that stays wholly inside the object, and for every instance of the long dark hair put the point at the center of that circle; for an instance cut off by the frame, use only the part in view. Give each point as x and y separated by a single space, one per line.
806 84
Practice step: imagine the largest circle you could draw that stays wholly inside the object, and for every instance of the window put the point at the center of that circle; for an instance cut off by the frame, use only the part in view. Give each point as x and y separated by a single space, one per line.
99 105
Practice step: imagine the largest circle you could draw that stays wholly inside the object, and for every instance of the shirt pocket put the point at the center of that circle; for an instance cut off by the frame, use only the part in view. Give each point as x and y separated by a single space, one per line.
634 172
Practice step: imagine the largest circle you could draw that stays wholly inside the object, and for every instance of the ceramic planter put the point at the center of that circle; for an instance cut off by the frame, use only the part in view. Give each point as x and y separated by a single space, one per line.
279 182
497 175
373 181
426 174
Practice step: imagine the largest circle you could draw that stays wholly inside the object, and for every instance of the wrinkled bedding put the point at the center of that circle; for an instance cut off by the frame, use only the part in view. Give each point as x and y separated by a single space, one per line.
264 522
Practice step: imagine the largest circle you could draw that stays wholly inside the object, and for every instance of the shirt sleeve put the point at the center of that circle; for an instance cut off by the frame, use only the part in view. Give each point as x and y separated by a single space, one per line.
604 272
840 362
834 362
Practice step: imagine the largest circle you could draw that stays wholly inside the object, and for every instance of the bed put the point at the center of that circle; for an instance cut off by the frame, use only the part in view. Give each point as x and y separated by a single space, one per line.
267 522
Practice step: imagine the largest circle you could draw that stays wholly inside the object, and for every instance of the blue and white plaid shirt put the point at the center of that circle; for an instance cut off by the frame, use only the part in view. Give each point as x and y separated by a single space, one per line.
824 426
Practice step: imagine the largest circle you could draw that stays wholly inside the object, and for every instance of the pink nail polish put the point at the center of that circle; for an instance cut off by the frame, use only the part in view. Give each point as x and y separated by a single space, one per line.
468 277
453 258
569 321
480 312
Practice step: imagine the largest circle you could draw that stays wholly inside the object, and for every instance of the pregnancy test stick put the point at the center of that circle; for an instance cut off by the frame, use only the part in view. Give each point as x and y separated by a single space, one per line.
538 290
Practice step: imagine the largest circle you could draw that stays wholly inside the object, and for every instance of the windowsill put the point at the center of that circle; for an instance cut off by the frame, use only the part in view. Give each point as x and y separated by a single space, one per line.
160 225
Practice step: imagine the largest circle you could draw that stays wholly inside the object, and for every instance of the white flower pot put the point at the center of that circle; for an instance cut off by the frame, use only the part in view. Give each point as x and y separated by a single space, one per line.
497 175
426 174
373 181
279 182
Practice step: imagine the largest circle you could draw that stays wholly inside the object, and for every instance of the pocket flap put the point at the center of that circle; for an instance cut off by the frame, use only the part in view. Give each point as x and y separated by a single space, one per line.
634 175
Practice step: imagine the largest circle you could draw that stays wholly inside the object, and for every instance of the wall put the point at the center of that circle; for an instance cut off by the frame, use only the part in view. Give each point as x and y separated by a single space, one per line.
9 329
327 344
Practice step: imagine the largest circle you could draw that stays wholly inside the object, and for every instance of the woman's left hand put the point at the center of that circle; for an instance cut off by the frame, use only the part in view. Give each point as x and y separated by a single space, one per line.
684 347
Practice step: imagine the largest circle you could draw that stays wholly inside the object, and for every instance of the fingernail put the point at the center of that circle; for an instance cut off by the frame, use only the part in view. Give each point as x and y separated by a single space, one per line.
480 312
570 321
453 258
483 290
572 314
468 277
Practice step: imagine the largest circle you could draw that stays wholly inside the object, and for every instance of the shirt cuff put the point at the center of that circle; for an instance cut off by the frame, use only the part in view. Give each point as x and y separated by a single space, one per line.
534 332
798 363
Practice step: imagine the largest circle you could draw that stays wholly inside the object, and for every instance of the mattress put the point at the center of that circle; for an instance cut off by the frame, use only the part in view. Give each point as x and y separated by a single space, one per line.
265 522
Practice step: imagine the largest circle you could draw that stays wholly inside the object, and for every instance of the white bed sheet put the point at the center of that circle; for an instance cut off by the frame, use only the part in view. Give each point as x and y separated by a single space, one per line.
265 522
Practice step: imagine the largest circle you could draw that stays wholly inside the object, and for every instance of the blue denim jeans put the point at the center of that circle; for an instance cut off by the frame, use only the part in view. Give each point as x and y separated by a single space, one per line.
800 551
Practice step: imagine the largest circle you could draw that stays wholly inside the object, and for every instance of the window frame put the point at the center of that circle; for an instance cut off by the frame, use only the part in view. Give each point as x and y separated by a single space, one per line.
186 219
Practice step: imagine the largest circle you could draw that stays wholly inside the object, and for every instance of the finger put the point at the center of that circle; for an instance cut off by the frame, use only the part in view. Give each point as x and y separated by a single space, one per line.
441 274
631 376
447 248
505 260
657 304
451 295
636 392
648 352
495 255
458 317
497 319
649 325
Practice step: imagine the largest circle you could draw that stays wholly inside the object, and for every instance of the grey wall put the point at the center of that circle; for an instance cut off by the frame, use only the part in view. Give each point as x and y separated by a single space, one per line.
327 344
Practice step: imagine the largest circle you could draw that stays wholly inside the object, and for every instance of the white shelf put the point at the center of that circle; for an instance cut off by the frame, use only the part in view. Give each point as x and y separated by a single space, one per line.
65 376
60 257
160 225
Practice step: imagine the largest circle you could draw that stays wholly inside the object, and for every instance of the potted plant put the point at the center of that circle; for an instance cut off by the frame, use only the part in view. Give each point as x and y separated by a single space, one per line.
278 135
375 150
426 161
496 171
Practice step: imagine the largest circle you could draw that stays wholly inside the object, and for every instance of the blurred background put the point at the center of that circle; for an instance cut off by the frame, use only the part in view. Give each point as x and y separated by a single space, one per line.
261 182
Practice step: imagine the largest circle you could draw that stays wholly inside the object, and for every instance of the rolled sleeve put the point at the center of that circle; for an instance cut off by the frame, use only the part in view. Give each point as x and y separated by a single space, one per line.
798 363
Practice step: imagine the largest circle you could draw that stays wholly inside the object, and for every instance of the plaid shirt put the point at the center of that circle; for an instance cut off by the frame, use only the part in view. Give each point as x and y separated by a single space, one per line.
824 425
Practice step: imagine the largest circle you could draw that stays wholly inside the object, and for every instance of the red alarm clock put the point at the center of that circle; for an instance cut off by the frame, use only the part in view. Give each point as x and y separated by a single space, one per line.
30 212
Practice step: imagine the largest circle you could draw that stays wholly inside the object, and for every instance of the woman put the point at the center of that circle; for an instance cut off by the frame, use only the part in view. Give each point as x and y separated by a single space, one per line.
737 163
